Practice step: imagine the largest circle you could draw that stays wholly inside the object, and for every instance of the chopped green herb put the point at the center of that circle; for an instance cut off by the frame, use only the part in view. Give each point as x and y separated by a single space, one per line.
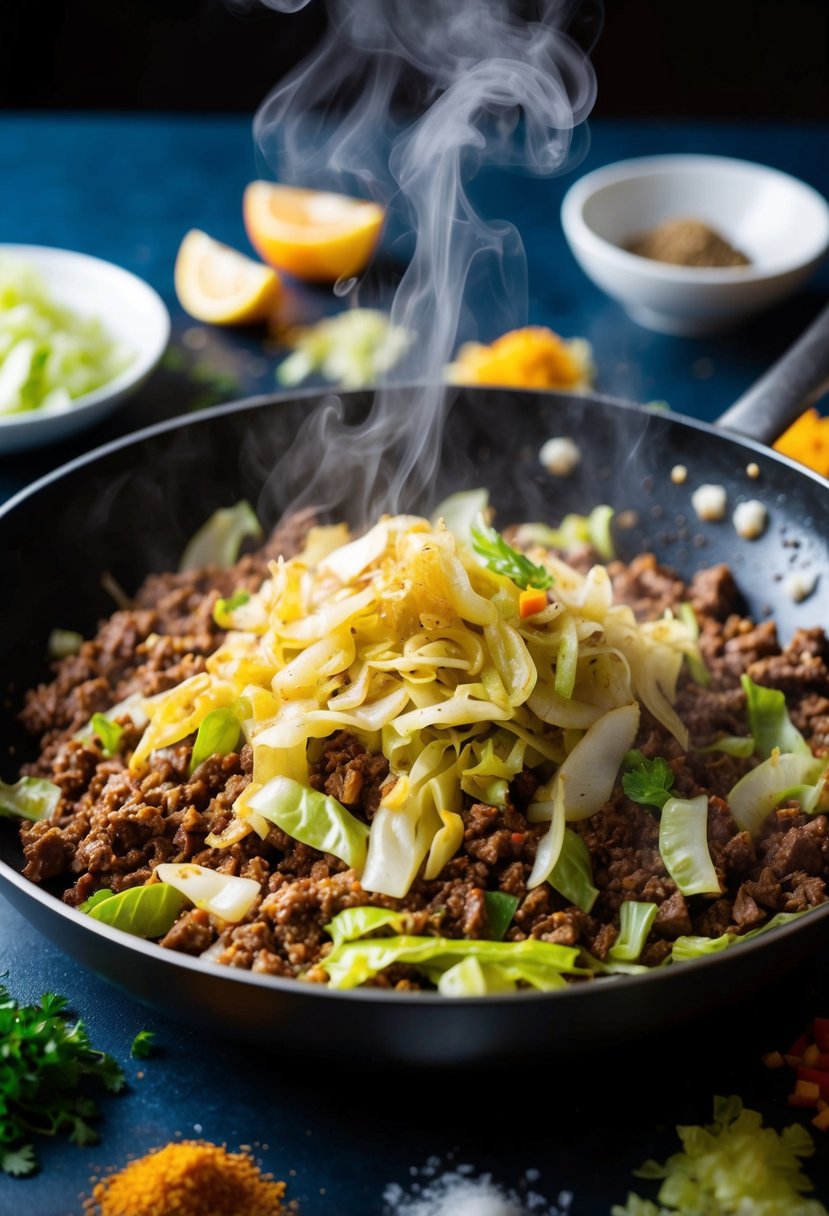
648 782
500 909
503 559
223 608
143 1045
48 1064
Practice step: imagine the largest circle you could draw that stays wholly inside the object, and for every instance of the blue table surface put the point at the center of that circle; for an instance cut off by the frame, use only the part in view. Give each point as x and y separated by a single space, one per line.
127 188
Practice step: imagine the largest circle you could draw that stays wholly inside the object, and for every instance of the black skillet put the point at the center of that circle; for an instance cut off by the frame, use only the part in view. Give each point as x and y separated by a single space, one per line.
129 508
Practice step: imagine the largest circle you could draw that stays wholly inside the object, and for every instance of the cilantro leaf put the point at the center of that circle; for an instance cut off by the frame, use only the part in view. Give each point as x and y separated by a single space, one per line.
503 559
649 782
143 1045
48 1070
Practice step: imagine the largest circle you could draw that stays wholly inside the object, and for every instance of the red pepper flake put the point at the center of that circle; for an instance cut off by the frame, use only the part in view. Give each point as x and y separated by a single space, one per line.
518 837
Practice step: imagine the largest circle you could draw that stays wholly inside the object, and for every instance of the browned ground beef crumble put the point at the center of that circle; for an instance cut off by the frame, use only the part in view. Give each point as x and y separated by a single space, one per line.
112 828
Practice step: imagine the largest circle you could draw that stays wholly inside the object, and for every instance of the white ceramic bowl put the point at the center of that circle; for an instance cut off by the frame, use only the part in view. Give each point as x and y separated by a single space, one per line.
778 222
131 311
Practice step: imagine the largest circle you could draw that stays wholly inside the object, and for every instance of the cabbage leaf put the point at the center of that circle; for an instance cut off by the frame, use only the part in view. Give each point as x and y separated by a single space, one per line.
313 818
148 911
683 845
29 798
769 721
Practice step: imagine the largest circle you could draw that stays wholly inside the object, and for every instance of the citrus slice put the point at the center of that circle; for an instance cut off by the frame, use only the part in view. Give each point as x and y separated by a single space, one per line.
311 234
222 286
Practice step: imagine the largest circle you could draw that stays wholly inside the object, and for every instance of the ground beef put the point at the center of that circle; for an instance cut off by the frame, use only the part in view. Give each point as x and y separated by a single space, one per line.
113 827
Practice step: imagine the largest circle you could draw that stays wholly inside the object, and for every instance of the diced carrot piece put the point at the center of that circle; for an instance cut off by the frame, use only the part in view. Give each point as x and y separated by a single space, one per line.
531 601
811 1056
799 1045
821 1120
821 1032
773 1059
817 1077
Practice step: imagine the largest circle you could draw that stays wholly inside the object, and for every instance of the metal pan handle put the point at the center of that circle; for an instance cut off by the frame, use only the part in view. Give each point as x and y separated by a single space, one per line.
796 380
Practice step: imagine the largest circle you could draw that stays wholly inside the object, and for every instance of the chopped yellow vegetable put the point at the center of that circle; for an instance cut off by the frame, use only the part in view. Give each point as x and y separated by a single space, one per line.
807 441
532 357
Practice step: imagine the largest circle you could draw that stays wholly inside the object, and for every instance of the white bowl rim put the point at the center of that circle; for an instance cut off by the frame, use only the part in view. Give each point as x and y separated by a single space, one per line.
580 232
137 370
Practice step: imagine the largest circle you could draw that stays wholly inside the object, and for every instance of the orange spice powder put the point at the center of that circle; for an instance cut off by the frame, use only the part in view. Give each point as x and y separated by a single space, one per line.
188 1178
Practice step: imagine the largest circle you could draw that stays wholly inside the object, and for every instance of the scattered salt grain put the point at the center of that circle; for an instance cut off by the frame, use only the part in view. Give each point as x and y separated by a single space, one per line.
750 519
560 456
679 474
709 502
460 1193
753 470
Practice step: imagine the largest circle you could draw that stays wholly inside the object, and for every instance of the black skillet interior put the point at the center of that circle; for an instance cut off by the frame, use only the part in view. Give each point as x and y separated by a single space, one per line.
129 509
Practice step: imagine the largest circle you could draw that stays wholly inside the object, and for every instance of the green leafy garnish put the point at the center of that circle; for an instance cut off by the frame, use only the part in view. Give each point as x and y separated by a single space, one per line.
46 1067
217 736
143 1045
648 782
503 559
224 607
143 911
29 798
108 732
500 909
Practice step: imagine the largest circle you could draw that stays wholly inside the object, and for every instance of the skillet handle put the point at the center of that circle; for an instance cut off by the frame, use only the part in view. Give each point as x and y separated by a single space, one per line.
795 381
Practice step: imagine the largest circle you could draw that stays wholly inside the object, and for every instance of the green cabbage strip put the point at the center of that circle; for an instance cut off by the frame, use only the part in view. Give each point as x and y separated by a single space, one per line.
219 539
690 946
49 354
699 672
572 875
782 777
742 747
461 512
217 735
148 911
29 798
769 721
502 965
635 921
314 819
683 845
352 348
734 1166
108 732
593 529
539 964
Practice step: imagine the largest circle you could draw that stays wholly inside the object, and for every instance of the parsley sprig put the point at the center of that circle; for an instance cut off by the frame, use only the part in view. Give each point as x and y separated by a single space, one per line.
503 559
649 782
46 1066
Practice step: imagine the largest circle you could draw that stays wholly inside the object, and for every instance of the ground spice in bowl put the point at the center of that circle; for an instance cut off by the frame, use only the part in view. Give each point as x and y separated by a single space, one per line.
188 1178
686 242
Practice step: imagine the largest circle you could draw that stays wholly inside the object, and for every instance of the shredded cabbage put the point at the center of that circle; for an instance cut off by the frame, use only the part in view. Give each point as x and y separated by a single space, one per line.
683 845
734 1166
50 355
29 798
401 637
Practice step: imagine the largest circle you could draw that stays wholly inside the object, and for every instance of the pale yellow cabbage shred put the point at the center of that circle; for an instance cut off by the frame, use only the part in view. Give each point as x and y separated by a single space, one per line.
403 638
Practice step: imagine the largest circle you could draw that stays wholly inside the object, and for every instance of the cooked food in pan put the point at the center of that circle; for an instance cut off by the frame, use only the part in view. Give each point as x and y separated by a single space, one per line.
434 755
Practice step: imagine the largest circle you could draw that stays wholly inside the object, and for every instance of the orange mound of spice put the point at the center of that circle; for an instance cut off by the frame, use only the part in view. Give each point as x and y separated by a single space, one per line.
532 357
807 441
188 1178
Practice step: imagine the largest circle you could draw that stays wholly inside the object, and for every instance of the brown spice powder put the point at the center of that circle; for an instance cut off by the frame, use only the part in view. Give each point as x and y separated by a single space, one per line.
686 242
188 1178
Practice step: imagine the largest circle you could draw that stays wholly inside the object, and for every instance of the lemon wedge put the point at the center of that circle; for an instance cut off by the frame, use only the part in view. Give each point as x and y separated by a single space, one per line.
220 285
311 234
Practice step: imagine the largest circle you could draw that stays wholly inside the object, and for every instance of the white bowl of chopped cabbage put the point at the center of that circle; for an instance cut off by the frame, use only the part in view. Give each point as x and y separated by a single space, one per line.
77 336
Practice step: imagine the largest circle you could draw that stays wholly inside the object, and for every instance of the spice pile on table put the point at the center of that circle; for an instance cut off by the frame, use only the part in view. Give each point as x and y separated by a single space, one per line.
188 1178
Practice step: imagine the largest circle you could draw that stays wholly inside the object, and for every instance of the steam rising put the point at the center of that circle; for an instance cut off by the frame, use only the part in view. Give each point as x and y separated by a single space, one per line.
493 88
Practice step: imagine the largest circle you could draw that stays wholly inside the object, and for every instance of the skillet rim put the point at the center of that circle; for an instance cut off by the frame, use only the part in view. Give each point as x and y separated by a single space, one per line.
659 977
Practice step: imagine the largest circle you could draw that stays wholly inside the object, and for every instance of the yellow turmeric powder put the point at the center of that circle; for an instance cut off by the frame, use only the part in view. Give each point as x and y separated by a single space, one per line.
188 1178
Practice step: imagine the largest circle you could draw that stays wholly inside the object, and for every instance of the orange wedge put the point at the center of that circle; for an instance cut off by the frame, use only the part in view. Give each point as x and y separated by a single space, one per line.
221 286
311 234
